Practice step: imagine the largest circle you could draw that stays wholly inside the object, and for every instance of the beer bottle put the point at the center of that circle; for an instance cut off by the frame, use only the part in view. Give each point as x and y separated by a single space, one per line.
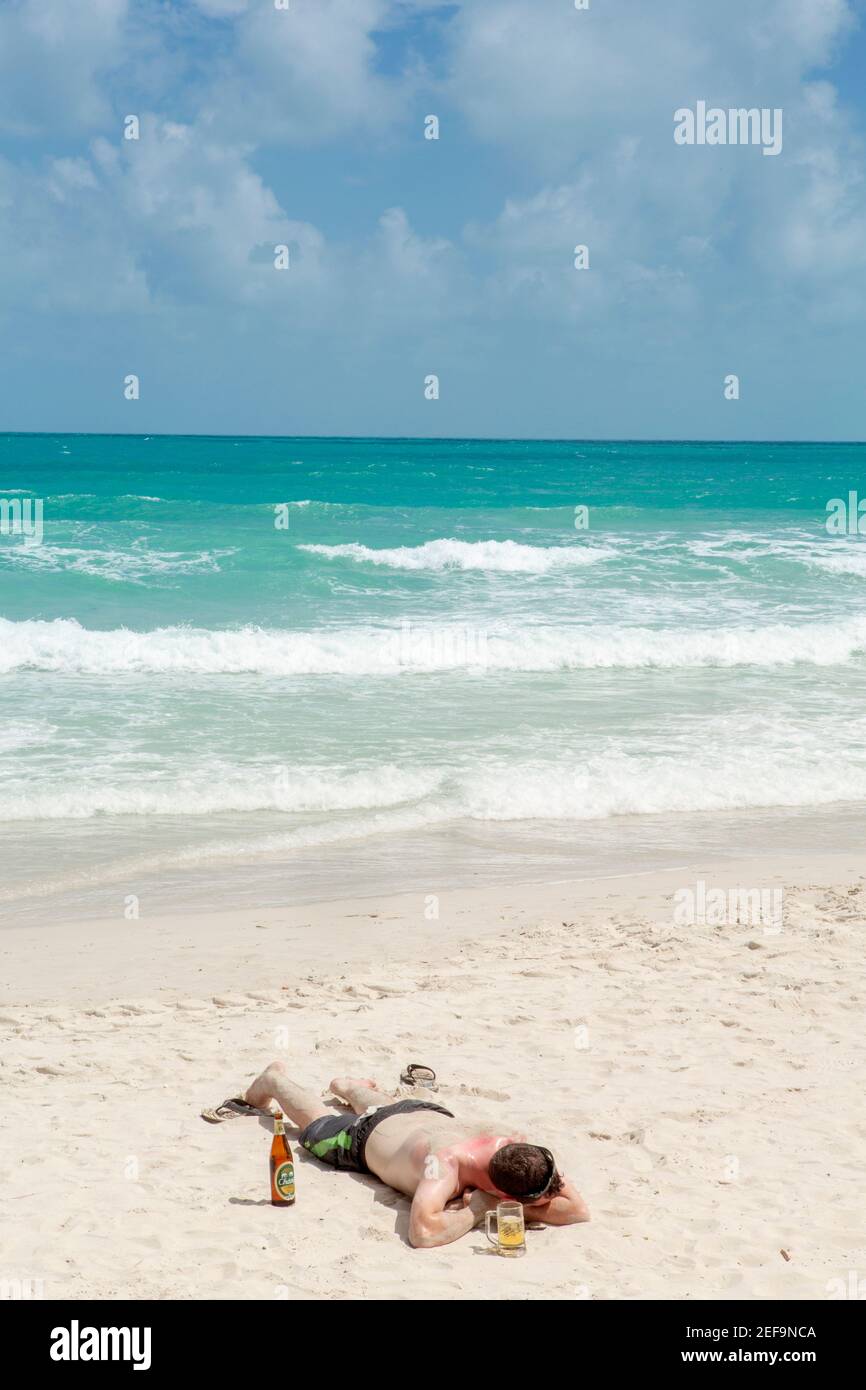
282 1167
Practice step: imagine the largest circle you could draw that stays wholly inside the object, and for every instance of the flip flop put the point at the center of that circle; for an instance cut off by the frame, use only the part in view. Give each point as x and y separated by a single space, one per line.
416 1074
230 1110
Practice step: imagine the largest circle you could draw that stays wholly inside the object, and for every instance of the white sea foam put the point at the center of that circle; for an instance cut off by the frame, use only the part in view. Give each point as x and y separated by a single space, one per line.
216 788
64 646
850 560
502 557
19 734
727 777
832 555
135 566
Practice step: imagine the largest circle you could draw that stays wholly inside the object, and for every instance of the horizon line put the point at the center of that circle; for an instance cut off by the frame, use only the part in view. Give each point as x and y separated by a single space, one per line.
411 438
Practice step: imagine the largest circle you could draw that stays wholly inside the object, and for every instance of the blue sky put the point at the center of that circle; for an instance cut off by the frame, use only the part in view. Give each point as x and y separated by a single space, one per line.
412 257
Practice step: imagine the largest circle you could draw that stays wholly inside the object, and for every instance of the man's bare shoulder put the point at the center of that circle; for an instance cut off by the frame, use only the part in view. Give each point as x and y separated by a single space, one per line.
478 1138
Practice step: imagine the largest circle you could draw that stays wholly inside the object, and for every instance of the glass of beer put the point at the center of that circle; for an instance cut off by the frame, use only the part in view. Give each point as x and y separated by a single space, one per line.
510 1238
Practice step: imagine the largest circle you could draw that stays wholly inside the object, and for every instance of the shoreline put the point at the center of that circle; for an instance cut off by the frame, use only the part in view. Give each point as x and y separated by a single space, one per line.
153 950
454 856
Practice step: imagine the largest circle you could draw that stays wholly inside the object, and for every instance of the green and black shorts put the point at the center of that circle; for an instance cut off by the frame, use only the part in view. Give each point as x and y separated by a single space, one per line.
341 1140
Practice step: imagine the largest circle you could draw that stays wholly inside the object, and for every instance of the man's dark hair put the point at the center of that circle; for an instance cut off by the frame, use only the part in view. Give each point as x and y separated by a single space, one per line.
525 1172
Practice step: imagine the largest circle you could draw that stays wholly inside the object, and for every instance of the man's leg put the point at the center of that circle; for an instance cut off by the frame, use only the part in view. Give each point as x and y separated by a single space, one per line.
361 1095
301 1106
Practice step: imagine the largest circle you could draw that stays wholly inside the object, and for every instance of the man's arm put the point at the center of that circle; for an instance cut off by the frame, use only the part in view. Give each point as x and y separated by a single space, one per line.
432 1222
564 1209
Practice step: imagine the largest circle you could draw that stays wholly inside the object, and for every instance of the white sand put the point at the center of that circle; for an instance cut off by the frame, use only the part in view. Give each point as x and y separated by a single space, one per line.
713 1120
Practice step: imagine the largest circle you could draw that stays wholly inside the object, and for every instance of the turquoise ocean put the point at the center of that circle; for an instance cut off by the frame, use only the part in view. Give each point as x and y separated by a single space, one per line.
259 670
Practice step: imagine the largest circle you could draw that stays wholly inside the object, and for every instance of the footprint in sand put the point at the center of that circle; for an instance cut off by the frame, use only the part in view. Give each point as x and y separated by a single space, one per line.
481 1093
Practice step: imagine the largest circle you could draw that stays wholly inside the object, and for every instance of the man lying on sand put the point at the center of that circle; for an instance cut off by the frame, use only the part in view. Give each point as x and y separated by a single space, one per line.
452 1174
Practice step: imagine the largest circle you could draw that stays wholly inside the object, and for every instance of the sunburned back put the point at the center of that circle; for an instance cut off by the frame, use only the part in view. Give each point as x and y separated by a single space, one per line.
401 1148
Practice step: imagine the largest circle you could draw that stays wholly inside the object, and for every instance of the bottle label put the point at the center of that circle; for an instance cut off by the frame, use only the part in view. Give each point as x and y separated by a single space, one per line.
284 1181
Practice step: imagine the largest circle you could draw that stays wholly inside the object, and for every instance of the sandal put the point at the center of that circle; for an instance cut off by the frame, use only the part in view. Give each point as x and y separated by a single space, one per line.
416 1074
231 1109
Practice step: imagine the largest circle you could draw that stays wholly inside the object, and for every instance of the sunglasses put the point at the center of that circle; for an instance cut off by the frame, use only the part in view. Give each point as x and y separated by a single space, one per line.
534 1196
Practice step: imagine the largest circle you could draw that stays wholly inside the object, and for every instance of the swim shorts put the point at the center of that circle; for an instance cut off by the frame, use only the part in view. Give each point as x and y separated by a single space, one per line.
340 1140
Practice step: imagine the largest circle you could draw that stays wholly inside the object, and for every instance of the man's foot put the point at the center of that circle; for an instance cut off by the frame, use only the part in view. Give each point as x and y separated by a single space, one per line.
342 1085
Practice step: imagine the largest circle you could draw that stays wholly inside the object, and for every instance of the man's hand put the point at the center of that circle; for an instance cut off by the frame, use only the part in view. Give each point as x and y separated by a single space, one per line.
479 1203
563 1210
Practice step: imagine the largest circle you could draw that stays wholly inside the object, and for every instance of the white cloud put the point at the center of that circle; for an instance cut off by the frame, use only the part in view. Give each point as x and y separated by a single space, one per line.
53 54
406 253
556 84
586 99
176 219
207 220
402 282
173 218
304 75
61 244
808 29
